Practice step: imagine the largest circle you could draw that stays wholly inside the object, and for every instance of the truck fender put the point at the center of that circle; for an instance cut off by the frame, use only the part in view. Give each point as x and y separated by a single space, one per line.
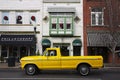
83 64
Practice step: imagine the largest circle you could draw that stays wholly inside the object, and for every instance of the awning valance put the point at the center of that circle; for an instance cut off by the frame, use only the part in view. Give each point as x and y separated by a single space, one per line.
102 39
46 42
77 42
61 9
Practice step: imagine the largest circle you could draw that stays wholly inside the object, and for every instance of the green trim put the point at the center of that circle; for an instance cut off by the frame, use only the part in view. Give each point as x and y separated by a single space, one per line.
58 31
77 42
46 42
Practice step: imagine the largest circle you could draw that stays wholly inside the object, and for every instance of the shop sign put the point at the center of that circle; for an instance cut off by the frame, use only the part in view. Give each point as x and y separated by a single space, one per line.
17 39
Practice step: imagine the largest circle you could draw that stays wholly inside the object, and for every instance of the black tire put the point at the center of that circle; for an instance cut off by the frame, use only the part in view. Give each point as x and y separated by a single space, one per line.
84 69
30 70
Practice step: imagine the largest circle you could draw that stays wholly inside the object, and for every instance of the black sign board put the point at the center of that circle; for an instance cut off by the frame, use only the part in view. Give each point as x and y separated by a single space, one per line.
17 39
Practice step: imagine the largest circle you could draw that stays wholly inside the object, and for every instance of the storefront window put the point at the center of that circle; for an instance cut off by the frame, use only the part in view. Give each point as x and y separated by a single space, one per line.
4 51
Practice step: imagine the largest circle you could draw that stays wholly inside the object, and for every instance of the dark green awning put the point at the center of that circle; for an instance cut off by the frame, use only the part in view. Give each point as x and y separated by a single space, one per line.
46 42
77 42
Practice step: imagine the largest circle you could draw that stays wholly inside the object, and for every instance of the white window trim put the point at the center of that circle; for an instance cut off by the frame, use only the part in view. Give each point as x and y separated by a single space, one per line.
96 14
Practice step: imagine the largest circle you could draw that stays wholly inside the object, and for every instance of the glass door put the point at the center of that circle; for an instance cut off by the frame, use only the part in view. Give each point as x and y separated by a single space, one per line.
64 48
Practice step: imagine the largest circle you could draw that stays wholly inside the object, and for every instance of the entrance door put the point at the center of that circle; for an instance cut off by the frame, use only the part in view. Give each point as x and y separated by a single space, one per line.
23 51
13 51
76 50
64 48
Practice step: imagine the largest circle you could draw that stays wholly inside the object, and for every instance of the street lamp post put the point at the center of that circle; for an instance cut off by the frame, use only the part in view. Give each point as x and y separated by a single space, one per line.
35 39
34 26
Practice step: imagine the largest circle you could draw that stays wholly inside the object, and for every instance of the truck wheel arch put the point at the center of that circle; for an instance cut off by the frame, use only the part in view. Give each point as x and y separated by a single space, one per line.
83 64
30 64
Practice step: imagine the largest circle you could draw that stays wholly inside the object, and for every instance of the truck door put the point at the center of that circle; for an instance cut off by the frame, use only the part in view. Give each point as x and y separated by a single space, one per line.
51 60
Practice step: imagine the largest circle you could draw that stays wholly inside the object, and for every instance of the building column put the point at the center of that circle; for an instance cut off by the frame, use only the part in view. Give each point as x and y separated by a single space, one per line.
71 49
28 51
26 18
0 17
12 17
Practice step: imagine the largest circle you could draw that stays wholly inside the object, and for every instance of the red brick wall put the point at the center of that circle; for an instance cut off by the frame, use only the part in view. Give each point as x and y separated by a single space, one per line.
87 4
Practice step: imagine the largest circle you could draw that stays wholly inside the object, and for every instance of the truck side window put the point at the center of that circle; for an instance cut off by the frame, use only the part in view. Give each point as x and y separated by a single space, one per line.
52 53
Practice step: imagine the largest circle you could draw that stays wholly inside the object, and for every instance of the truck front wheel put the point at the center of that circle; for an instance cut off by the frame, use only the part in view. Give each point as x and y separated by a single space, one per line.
30 69
83 69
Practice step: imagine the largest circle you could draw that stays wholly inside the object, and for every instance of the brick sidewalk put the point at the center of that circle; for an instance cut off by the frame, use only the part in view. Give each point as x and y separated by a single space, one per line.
111 65
5 65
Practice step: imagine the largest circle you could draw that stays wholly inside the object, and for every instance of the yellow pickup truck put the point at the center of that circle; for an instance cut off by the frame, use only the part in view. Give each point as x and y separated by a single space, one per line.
53 59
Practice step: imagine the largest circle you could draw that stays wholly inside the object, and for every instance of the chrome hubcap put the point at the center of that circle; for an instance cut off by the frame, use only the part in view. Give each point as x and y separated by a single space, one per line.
84 70
31 69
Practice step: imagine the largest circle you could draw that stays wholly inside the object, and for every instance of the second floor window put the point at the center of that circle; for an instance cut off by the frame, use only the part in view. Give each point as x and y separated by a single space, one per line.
54 23
32 17
97 17
5 18
19 18
61 22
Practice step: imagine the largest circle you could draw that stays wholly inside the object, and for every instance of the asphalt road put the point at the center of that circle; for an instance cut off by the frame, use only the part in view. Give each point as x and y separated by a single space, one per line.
102 74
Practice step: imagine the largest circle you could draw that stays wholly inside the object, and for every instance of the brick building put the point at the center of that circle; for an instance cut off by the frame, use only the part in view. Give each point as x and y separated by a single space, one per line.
101 18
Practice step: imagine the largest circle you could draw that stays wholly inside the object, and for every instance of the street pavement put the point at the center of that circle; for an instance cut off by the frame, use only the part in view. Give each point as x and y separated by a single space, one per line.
101 74
109 72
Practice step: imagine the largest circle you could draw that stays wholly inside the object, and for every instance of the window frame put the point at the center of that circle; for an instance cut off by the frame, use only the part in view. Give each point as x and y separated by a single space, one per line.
97 17
6 13
19 14
64 29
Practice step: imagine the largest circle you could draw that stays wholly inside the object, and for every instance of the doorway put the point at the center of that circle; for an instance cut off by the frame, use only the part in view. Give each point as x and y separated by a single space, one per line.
64 48
76 50
23 51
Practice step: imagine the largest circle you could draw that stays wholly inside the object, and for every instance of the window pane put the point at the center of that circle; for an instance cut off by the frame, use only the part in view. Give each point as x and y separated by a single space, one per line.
32 17
100 19
5 18
68 26
19 17
93 19
68 23
54 23
61 25
61 22
53 26
4 51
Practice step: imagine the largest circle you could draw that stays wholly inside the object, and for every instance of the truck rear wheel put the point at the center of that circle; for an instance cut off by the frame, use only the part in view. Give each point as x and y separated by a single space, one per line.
30 69
83 69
